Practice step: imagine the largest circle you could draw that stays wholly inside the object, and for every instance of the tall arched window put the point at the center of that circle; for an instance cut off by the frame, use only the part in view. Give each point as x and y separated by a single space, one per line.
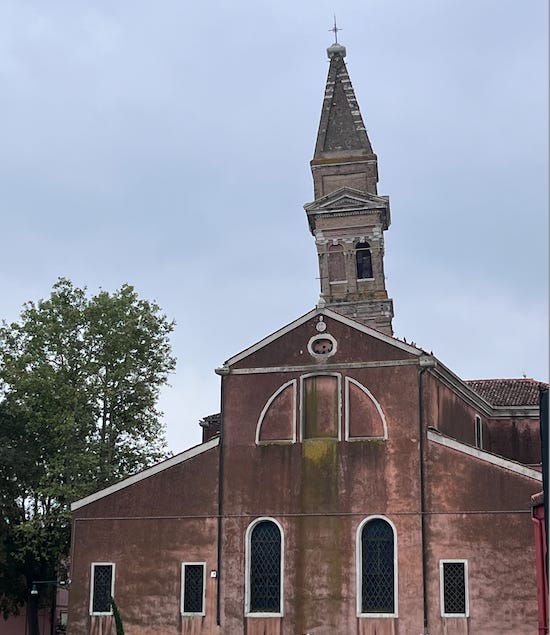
377 568
264 568
363 261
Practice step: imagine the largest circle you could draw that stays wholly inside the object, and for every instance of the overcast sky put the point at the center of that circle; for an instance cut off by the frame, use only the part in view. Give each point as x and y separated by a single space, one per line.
167 144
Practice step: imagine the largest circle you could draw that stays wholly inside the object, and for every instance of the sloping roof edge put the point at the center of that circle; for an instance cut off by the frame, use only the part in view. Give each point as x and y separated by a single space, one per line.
150 471
334 316
487 457
466 391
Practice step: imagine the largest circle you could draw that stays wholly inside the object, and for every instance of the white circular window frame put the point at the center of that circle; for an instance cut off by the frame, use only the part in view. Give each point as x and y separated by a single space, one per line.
322 336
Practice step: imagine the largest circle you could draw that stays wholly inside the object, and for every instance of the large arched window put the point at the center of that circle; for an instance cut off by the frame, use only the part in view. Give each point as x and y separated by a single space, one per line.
264 568
363 261
377 568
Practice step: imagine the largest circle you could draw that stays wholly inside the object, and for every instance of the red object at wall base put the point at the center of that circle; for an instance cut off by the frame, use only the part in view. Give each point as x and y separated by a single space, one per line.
541 560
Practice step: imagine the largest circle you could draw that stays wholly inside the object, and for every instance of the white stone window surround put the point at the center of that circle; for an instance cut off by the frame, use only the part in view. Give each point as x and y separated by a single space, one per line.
182 603
92 590
347 382
359 569
478 432
442 589
322 336
294 384
248 537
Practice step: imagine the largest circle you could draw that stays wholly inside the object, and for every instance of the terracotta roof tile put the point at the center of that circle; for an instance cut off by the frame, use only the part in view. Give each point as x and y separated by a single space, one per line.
211 420
508 392
210 426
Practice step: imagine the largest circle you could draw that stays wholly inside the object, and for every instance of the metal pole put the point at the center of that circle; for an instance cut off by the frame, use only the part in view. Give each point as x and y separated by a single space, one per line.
52 613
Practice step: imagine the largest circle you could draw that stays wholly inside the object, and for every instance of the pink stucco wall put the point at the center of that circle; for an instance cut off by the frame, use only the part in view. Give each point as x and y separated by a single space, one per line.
319 490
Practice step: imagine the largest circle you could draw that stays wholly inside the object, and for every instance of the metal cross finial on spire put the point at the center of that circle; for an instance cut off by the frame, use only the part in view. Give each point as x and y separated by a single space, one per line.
335 30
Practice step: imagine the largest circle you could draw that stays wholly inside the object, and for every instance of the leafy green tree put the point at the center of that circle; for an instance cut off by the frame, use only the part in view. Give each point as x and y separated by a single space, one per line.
79 383
17 469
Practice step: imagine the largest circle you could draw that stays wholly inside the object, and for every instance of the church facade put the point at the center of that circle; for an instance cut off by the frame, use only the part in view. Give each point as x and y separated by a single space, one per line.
352 483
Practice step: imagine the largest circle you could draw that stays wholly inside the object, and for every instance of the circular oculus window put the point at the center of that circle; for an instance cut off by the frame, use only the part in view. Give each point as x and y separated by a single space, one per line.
322 345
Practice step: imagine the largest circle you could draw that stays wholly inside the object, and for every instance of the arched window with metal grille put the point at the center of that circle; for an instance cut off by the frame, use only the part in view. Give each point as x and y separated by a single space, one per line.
264 565
376 568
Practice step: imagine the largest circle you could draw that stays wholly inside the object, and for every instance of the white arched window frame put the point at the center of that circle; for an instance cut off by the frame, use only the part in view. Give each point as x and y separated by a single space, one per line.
248 558
478 432
348 381
359 568
339 396
274 396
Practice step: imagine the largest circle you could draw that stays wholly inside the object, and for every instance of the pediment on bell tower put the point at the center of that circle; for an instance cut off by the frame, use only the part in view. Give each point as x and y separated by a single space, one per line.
347 200
347 197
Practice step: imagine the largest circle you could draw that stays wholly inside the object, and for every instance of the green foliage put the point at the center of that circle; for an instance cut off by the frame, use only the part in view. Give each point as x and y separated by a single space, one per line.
79 382
118 619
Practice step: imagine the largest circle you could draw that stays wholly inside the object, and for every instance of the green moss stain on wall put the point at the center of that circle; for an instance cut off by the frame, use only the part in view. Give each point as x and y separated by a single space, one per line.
321 453
320 468
320 560
321 407
320 576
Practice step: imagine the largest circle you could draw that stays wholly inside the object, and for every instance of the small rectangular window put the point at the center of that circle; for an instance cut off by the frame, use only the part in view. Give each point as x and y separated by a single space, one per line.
192 588
454 588
102 588
479 432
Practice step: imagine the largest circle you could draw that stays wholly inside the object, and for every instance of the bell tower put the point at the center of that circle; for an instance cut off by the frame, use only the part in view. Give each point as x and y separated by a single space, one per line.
347 217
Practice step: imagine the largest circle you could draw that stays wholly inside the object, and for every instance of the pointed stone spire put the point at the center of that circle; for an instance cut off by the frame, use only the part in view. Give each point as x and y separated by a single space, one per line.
343 152
348 218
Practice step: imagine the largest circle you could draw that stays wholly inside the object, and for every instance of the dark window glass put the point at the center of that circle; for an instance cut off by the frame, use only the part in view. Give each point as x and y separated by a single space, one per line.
377 567
101 598
265 568
454 588
193 588
363 260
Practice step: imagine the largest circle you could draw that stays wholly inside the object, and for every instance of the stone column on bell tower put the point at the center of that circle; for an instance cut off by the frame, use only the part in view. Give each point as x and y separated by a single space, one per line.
347 217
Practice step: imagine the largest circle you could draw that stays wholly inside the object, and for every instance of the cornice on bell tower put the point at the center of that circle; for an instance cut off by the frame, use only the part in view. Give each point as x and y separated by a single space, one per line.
348 218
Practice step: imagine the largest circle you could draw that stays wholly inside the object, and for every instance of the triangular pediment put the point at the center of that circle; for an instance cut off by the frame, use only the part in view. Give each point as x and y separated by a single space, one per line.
347 198
315 313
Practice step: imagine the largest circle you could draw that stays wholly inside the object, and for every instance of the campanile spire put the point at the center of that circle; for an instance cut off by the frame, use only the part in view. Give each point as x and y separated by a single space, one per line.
343 152
347 217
